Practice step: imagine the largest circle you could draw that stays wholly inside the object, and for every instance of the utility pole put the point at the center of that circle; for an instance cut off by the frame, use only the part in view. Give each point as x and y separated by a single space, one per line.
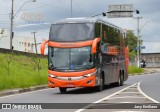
11 26
138 41
12 20
35 42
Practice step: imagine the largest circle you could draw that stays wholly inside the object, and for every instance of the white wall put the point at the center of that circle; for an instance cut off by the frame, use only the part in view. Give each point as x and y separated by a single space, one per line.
20 43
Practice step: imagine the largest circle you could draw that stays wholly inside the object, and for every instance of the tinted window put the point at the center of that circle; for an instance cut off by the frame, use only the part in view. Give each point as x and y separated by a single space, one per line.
71 32
98 29
70 58
110 35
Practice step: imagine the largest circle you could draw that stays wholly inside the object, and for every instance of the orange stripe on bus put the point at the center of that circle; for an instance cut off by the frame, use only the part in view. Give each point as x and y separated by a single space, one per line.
71 74
70 44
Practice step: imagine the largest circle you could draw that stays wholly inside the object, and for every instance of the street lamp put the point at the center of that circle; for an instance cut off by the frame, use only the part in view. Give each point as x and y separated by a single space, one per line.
23 6
138 37
12 18
144 24
103 14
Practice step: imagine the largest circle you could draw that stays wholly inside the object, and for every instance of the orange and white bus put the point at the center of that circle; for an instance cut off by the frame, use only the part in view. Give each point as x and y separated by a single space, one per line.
86 52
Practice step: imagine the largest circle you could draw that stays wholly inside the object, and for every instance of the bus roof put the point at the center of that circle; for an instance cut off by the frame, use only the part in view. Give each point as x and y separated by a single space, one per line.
86 20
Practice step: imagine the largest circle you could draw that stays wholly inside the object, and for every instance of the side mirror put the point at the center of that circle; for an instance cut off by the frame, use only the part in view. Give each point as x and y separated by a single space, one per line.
94 45
43 46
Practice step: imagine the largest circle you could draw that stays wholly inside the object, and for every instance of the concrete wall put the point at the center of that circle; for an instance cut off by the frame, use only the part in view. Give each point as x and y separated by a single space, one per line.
4 51
152 59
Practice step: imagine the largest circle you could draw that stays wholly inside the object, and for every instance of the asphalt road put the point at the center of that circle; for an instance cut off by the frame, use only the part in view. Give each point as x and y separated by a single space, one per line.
149 84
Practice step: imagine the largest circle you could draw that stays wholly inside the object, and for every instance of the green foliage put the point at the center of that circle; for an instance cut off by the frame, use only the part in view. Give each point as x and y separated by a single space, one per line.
134 70
132 43
23 72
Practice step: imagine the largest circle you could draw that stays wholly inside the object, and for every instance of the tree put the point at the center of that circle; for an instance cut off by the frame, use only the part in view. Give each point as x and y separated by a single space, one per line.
7 60
37 60
132 43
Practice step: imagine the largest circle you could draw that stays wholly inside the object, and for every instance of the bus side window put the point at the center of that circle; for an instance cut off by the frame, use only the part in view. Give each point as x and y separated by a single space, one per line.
125 39
97 29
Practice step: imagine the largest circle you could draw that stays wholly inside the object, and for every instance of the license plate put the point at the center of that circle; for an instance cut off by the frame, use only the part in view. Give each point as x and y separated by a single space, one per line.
70 85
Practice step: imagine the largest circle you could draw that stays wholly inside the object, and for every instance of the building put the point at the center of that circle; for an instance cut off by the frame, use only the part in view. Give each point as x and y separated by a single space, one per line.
25 44
3 33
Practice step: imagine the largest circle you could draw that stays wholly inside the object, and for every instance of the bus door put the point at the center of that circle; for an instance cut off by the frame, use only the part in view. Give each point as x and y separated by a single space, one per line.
115 68
107 67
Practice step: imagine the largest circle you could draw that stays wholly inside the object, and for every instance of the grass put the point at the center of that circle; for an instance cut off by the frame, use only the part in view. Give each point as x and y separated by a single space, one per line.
22 73
19 71
134 70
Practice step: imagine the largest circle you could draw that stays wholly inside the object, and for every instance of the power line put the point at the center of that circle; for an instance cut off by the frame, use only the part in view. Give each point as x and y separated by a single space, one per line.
22 36
41 30
4 21
46 5
148 31
4 14
74 1
151 32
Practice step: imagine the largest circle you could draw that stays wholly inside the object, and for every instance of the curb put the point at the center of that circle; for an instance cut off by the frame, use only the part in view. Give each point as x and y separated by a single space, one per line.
17 91
144 73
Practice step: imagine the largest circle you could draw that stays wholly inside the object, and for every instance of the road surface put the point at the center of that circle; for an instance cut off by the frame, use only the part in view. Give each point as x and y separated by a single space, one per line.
140 85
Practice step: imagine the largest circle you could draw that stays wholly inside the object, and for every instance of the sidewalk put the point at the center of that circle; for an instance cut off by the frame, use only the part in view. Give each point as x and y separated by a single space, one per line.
22 90
151 70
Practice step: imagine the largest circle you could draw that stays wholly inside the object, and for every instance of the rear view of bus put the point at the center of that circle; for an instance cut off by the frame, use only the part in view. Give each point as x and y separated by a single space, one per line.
73 55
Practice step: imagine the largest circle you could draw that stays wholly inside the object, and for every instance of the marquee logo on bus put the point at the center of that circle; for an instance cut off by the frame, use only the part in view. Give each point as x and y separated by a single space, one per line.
112 50
68 45
104 48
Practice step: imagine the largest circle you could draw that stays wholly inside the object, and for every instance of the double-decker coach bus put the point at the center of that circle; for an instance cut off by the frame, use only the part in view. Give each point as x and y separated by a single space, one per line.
86 52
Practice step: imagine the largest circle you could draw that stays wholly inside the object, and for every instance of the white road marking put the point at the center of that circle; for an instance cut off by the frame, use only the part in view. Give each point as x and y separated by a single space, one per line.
121 91
114 94
128 111
24 93
132 88
126 102
125 97
146 95
128 92
79 110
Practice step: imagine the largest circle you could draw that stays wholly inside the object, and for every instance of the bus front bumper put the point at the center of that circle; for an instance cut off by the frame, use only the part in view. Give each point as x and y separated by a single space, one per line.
71 82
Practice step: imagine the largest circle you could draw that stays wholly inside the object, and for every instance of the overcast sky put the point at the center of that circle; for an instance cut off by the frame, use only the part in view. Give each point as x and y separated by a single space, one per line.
53 10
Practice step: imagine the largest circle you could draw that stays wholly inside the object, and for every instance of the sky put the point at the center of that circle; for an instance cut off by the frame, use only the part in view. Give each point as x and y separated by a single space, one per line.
53 10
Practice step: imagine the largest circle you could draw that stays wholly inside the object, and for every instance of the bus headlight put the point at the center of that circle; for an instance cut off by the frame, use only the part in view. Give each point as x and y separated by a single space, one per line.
91 74
51 75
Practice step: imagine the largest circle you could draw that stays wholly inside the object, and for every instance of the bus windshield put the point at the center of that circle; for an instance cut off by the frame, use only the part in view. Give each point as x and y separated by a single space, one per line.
71 32
71 59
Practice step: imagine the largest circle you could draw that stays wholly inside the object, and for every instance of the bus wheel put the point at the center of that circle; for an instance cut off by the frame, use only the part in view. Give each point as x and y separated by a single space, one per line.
63 90
120 80
101 86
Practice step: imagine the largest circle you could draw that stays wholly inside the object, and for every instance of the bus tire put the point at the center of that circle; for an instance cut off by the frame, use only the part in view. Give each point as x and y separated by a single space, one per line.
101 85
120 80
63 90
